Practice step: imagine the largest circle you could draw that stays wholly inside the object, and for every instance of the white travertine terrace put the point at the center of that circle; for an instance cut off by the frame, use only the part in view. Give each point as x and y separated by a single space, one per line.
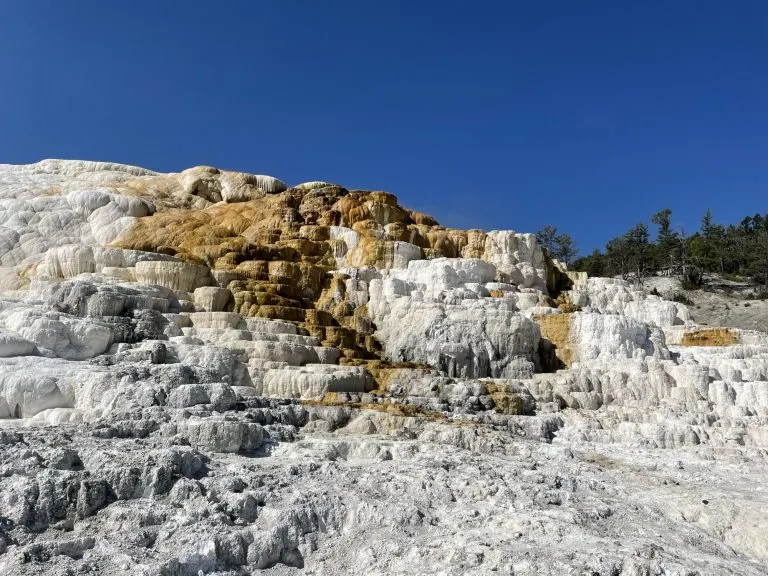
498 431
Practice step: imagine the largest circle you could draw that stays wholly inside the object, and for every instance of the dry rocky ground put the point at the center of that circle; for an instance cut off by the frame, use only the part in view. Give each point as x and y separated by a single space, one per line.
733 303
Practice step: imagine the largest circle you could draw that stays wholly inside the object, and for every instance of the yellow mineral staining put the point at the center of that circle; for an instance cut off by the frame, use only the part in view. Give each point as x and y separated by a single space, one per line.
413 234
383 372
475 246
710 337
372 251
422 219
352 211
564 304
274 249
406 410
53 191
383 213
165 191
555 350
315 232
377 196
443 241
174 275
333 298
505 400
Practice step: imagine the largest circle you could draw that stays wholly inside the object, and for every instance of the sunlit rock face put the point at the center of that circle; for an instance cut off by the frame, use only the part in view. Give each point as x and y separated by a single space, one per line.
236 374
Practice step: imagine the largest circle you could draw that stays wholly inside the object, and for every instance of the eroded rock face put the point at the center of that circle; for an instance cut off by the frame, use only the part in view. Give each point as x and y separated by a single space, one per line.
518 258
238 375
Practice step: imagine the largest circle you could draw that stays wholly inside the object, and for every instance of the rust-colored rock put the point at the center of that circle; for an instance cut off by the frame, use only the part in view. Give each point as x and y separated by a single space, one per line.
555 349
710 337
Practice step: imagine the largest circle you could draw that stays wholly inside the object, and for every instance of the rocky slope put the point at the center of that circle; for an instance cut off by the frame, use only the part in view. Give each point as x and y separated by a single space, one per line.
733 303
213 372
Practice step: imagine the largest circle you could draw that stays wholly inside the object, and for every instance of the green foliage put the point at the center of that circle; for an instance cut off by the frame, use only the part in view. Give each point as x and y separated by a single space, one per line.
565 248
740 249
691 277
639 256
667 247
560 246
594 264
663 220
546 237
681 298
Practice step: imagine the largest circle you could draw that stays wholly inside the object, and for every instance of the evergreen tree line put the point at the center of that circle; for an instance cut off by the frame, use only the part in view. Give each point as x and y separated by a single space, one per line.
731 250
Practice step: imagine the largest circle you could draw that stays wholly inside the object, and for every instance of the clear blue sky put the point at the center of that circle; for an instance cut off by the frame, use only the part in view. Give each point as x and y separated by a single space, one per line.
587 115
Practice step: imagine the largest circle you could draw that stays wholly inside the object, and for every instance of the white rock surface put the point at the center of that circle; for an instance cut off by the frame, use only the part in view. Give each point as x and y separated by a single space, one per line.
437 312
174 275
518 258
212 298
12 344
614 296
217 444
313 381
605 336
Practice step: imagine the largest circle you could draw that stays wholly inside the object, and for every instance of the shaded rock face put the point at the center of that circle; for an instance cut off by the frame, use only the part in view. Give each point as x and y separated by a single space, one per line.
238 375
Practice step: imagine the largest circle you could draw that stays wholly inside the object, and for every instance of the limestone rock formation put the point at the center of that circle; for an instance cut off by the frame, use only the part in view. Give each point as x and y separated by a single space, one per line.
235 376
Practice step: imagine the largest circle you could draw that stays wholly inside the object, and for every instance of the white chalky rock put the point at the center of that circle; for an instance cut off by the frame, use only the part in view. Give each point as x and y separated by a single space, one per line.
63 335
221 435
436 312
57 416
601 336
312 185
221 362
216 320
196 435
474 340
220 396
72 260
68 261
518 258
343 241
293 354
124 274
11 344
30 385
211 298
201 181
314 380
241 187
56 203
267 326
24 395
172 274
614 296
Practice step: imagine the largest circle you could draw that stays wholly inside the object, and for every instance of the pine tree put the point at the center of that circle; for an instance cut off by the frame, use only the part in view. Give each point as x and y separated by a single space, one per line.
546 237
564 248
710 252
666 240
636 241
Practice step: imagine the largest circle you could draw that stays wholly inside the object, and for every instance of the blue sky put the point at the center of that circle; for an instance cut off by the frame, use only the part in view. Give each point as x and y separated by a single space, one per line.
586 115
